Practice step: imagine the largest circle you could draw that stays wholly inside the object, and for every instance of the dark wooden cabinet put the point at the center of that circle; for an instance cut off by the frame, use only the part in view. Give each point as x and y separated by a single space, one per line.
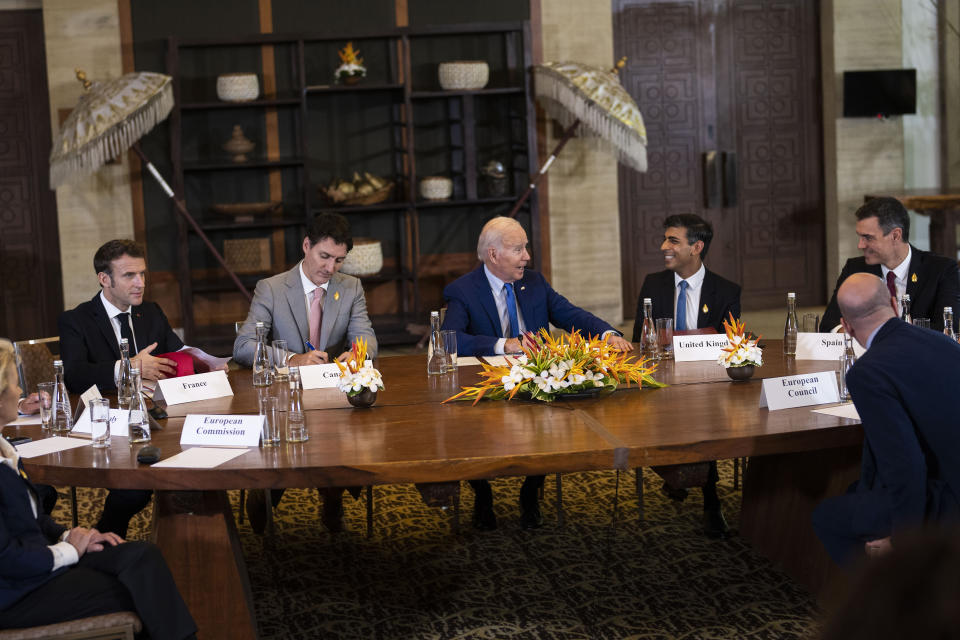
397 123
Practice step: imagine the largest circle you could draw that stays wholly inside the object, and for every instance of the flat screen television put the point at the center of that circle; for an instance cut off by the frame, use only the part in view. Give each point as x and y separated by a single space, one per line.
884 92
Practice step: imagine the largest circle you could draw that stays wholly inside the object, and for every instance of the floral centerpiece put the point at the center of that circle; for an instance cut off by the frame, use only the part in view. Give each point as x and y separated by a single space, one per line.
550 368
358 379
741 354
351 68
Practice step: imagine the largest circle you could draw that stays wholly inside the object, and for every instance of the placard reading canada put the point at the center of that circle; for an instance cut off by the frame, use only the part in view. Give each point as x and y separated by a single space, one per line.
202 386
702 347
222 431
819 346
321 376
800 391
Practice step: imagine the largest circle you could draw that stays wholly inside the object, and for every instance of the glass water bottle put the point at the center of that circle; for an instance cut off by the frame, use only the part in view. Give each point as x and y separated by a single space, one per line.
62 411
138 420
435 356
262 374
124 380
905 309
648 332
948 323
790 327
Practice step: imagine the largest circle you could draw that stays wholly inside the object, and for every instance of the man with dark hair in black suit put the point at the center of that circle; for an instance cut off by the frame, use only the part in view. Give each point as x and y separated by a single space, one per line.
932 281
910 471
696 299
90 347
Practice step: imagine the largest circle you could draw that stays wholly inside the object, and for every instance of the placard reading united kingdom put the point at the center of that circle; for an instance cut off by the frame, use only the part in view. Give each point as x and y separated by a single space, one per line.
696 348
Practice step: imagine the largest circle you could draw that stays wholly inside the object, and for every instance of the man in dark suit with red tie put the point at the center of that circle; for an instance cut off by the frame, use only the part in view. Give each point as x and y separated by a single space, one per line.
492 308
696 299
932 281
90 347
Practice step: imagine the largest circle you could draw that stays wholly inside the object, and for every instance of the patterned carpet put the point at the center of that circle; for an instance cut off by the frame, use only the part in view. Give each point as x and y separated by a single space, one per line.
658 579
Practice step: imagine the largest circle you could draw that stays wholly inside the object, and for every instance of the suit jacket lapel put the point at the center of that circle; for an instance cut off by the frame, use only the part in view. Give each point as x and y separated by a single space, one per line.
708 293
332 305
523 304
140 332
916 267
105 326
298 306
485 296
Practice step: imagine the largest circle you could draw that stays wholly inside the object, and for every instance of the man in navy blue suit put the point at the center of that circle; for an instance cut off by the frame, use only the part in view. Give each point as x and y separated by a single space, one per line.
492 309
910 472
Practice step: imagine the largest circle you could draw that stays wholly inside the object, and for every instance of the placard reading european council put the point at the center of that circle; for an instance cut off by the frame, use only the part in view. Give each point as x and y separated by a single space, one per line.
699 347
202 386
799 391
222 431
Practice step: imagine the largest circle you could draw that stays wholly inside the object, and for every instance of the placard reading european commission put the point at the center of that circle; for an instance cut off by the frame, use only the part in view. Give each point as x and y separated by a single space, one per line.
221 431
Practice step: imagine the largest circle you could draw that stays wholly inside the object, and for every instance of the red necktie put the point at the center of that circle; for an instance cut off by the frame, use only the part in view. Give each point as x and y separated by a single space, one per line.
891 283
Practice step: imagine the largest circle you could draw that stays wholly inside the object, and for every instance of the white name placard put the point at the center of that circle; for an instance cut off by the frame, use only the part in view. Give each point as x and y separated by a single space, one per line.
221 431
819 346
694 348
202 386
118 423
800 391
93 393
320 376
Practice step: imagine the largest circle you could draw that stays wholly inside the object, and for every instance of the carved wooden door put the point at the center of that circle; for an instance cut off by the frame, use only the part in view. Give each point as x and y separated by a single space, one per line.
29 247
729 92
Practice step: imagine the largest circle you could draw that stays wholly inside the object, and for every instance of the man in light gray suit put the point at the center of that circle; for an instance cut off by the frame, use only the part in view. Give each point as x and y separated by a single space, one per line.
311 304
319 312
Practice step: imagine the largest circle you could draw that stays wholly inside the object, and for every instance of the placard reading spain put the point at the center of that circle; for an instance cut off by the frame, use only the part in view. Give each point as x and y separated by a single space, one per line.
222 431
819 346
799 391
202 386
695 348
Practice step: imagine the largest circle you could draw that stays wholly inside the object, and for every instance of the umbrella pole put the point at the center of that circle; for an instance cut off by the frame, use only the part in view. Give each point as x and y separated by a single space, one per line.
546 167
193 223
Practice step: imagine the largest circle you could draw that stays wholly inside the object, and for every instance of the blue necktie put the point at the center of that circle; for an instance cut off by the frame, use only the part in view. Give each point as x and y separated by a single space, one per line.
681 322
512 311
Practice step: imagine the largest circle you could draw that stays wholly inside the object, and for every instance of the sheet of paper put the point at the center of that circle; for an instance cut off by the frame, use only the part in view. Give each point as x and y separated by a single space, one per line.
493 361
200 458
50 445
25 420
841 411
467 361
213 362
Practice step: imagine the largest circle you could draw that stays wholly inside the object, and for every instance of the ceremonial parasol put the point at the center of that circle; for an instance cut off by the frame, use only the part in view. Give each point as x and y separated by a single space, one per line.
110 118
577 94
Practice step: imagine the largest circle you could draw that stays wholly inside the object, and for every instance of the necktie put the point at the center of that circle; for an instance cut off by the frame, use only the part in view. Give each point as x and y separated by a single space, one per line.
125 332
681 322
316 316
892 283
512 311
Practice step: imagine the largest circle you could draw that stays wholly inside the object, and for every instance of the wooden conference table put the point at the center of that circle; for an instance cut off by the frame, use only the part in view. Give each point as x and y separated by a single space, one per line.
797 457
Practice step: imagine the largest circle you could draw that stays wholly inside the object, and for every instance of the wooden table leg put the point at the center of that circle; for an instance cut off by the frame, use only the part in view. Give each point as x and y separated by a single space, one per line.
780 493
198 537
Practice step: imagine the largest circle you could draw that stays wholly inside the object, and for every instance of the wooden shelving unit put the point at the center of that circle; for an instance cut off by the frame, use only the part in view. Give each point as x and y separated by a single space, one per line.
309 130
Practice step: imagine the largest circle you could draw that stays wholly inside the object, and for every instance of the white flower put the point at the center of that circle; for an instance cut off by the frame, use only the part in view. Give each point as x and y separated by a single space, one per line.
522 358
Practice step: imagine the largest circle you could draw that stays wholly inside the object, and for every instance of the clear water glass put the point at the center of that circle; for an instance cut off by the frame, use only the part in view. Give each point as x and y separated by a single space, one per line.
99 409
46 394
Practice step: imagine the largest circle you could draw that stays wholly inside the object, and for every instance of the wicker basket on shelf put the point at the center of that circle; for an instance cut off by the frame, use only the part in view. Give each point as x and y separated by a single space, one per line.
463 75
365 259
356 199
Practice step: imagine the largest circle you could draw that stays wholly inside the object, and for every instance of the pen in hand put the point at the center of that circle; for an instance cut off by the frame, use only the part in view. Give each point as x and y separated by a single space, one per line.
310 346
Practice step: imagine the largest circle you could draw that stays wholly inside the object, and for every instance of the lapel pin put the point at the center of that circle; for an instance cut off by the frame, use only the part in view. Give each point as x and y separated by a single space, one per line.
706 309
336 295
522 288
913 278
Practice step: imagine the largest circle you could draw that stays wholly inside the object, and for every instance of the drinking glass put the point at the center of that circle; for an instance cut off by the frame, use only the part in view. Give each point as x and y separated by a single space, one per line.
279 356
449 339
45 392
923 323
665 337
811 323
296 427
99 422
271 421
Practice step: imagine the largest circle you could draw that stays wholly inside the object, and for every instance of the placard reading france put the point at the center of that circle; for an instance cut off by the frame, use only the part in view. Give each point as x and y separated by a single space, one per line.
695 348
222 431
800 390
202 386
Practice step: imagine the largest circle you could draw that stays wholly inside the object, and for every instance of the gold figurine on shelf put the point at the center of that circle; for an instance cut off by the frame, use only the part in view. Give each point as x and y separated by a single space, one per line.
351 68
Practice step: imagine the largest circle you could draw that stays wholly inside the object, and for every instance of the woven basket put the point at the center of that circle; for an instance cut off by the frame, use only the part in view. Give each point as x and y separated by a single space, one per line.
436 188
463 75
365 259
238 87
247 255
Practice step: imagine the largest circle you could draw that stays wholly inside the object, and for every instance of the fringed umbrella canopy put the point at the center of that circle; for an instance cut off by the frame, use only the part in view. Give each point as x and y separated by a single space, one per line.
570 91
110 117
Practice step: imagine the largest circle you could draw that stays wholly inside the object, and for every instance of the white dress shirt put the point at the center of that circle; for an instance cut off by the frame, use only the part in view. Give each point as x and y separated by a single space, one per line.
308 288
900 272
694 288
112 313
498 288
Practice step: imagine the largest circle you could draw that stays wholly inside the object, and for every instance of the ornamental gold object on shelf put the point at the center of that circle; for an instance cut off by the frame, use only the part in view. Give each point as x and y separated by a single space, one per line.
238 145
365 190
